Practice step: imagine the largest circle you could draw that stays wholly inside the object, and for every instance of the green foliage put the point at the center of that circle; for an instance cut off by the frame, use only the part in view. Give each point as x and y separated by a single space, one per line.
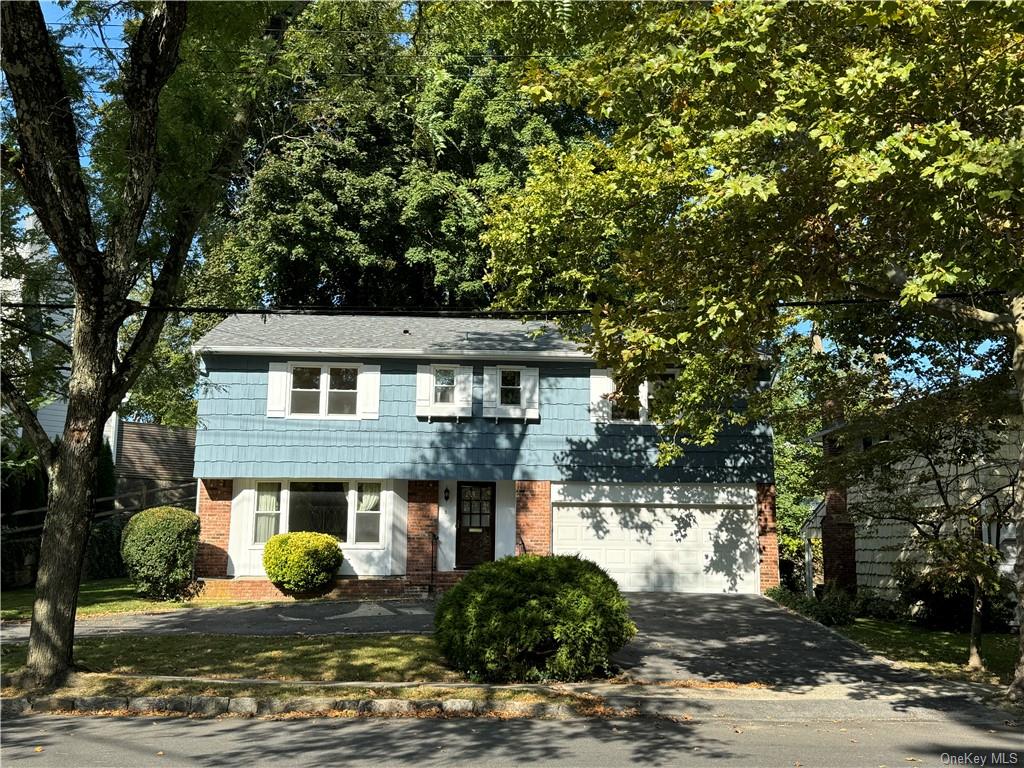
833 608
303 561
158 546
761 152
103 553
942 599
533 618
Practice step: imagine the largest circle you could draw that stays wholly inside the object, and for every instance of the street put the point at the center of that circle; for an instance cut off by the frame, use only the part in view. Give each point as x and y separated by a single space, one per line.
81 741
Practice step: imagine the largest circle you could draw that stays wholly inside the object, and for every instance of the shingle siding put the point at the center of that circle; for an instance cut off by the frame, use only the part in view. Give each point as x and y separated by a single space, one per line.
236 438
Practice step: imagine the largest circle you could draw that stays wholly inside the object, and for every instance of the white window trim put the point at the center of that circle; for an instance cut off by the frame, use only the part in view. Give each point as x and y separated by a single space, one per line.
509 411
324 390
351 495
437 408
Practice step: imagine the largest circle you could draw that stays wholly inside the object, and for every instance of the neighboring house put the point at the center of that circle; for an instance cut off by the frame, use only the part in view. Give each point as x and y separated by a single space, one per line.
429 445
880 542
155 464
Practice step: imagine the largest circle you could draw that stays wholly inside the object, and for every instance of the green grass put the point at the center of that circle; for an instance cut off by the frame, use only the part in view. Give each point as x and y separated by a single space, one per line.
376 658
943 654
106 596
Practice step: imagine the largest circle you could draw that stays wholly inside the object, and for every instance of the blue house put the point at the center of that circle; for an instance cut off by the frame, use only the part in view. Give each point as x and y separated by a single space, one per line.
428 445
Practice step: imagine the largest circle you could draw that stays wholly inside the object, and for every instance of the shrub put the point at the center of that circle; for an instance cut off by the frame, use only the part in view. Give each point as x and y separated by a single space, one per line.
158 547
833 608
532 618
940 604
103 554
871 605
303 561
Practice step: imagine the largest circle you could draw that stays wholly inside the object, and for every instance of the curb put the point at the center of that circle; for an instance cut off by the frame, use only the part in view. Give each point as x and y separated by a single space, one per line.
213 706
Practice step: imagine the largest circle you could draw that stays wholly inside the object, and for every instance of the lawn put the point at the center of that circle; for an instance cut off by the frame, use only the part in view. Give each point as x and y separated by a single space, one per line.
103 597
377 658
943 654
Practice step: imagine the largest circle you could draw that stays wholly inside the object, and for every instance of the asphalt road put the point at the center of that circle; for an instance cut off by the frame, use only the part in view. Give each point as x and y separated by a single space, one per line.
483 743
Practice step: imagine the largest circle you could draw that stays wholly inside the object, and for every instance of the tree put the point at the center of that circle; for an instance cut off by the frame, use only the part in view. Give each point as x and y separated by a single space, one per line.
161 143
773 152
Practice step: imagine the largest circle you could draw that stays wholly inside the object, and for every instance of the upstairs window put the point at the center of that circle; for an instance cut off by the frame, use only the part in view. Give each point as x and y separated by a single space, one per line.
305 394
444 385
511 388
341 396
310 390
622 411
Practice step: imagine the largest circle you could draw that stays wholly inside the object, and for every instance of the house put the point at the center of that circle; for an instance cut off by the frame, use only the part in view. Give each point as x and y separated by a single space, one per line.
155 464
868 530
428 445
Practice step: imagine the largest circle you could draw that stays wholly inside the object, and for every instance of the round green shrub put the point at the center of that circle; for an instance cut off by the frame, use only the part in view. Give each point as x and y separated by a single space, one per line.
533 618
303 561
158 547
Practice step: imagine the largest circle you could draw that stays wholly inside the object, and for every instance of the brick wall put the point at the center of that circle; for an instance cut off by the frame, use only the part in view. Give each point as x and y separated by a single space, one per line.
344 589
767 538
838 538
533 516
422 526
214 522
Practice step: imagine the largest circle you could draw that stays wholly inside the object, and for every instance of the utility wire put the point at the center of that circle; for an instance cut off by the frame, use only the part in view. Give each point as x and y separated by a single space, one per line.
431 312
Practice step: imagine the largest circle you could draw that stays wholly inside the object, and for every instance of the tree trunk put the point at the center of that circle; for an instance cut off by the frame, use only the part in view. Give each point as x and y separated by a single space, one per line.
70 504
1016 302
977 605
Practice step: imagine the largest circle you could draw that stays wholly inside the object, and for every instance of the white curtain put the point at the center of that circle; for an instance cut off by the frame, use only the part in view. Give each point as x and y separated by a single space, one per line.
369 497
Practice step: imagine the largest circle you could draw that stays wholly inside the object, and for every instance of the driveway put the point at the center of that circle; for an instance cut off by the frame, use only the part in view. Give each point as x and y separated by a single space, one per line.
742 639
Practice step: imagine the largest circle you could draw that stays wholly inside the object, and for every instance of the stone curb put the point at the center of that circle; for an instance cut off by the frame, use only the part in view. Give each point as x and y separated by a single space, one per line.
212 706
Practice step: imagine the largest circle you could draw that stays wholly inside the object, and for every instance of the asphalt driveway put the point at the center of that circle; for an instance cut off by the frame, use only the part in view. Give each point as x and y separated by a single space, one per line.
742 639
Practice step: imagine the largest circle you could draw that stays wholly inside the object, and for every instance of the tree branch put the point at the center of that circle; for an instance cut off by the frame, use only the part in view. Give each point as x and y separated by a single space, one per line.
152 59
949 309
14 400
50 171
165 286
37 332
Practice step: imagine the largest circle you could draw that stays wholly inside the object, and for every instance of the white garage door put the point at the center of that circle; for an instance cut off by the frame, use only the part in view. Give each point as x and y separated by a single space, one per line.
663 547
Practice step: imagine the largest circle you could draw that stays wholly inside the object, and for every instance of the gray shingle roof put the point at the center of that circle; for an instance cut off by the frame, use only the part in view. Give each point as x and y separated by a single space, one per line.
389 335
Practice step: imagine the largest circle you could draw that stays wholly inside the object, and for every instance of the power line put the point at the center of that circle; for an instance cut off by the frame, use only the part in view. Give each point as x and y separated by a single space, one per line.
436 312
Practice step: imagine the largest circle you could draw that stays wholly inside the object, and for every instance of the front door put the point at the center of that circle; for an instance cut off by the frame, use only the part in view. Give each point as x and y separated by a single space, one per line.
474 525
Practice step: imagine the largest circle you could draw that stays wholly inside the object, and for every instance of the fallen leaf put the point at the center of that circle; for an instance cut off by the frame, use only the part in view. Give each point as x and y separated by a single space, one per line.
737 730
687 717
911 760
39 749
159 754
853 741
842 730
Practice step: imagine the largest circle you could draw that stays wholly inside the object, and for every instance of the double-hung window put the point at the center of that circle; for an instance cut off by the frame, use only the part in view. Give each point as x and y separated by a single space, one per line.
368 513
268 512
511 389
313 390
444 385
327 390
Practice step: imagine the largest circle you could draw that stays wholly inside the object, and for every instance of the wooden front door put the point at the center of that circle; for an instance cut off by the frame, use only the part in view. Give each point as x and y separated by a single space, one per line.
474 525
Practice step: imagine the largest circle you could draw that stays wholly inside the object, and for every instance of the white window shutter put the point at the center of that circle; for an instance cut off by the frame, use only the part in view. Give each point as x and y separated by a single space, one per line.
277 390
601 385
530 383
424 385
464 390
368 392
490 392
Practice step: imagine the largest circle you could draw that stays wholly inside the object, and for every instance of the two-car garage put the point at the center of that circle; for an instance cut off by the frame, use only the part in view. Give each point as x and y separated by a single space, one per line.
680 538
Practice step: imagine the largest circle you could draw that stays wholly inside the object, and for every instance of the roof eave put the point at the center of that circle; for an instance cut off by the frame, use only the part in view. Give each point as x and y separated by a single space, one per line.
432 354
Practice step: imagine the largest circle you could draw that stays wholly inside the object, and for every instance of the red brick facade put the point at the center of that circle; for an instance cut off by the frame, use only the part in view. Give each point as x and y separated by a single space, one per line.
344 589
838 537
533 517
767 538
214 522
421 530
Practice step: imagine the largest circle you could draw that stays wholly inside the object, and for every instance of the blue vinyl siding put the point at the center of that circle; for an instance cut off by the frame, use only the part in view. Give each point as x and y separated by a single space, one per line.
236 438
